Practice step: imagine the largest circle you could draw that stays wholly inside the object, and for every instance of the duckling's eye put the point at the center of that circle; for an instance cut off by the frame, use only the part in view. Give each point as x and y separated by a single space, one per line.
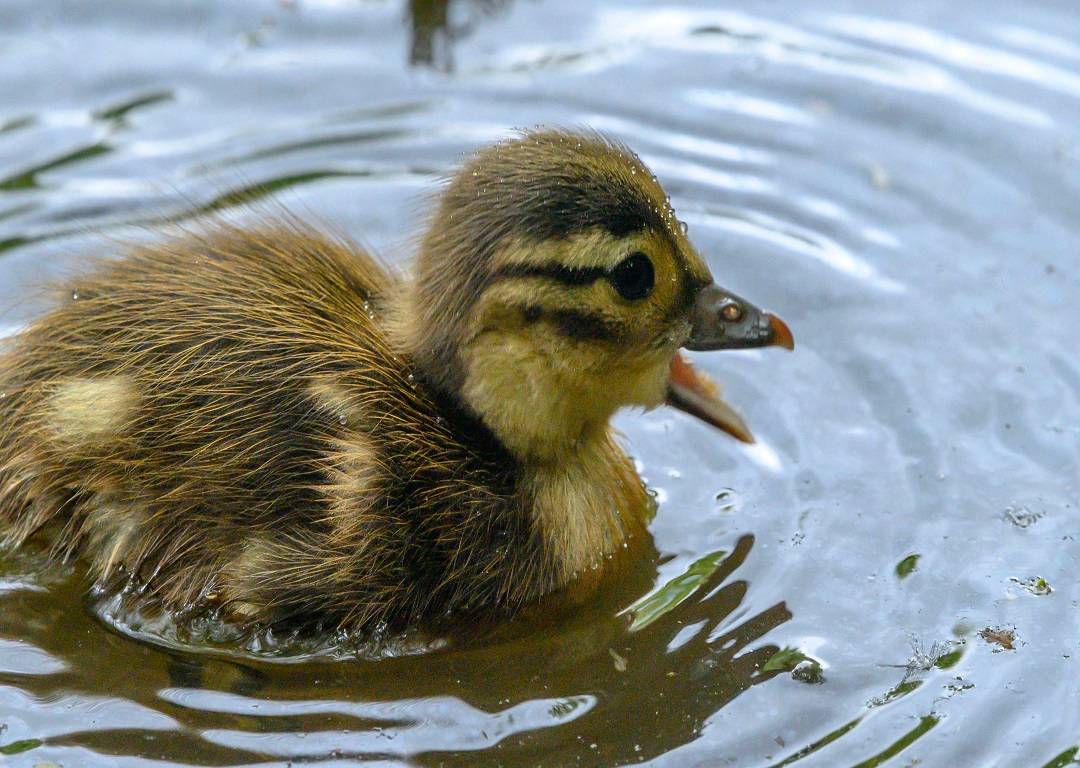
633 277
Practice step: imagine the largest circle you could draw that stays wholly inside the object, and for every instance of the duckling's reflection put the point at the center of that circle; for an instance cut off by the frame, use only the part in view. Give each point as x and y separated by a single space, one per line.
635 688
657 681
434 32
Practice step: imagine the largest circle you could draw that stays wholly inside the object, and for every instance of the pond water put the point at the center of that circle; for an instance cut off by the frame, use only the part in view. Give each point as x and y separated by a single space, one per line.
890 577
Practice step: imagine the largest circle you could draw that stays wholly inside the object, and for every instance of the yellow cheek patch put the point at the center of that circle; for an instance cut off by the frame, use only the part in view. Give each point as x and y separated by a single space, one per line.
90 411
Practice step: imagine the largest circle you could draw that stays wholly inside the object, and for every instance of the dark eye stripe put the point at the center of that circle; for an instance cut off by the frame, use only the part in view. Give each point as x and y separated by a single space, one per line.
552 271
574 323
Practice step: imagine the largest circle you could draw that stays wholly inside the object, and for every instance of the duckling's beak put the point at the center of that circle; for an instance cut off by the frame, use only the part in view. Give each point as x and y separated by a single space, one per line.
721 320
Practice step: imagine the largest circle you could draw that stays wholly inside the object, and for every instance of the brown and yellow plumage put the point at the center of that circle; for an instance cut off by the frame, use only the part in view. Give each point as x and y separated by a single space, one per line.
267 420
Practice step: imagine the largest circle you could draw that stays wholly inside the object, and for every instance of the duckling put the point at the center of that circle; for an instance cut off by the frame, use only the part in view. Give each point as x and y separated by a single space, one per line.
266 421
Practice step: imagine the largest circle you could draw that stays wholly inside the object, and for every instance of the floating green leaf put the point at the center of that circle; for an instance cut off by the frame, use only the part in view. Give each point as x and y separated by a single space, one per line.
950 659
907 566
786 659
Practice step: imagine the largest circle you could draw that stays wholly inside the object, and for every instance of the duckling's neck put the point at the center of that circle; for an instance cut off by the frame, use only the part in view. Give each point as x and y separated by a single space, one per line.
587 501
541 419
587 506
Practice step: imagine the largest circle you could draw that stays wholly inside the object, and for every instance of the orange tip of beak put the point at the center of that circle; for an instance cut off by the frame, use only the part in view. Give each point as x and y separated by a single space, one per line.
781 334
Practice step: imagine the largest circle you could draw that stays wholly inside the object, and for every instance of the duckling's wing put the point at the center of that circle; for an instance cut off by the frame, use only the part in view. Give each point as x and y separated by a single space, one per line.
163 409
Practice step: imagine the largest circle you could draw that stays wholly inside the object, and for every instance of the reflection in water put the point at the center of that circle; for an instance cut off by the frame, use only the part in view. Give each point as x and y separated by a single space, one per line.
677 647
430 42
434 31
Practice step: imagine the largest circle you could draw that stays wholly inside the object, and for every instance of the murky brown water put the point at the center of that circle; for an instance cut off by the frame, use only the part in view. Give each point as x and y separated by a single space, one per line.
900 181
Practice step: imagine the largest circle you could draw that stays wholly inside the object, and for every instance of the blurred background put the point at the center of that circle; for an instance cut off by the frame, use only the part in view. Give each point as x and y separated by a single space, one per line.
891 576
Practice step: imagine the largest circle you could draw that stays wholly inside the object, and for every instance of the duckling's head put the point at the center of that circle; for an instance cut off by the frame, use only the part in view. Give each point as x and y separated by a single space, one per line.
555 285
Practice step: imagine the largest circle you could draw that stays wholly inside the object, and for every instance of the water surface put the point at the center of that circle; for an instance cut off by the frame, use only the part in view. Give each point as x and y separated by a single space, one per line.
890 577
